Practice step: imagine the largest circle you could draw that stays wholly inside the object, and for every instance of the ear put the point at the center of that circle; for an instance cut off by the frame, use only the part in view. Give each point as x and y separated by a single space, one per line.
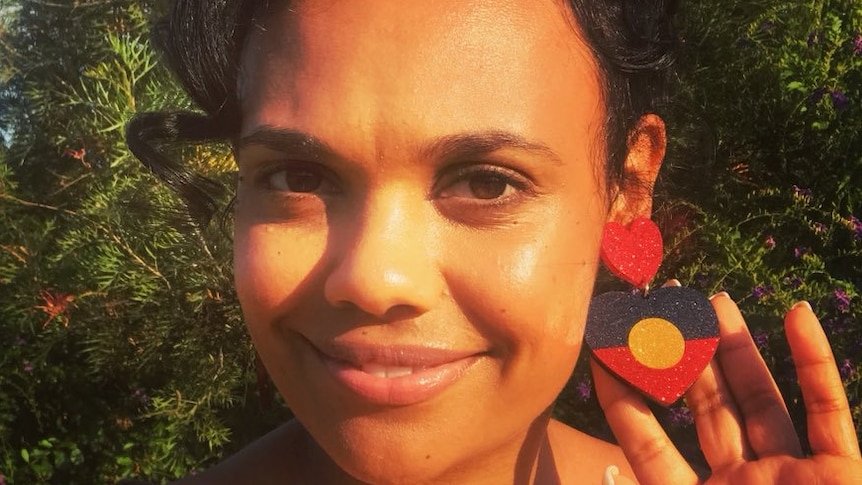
646 148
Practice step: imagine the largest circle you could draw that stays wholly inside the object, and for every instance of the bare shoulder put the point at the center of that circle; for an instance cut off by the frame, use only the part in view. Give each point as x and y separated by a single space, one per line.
270 459
581 458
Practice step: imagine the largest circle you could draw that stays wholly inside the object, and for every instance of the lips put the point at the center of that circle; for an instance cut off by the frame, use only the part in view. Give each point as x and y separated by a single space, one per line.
394 375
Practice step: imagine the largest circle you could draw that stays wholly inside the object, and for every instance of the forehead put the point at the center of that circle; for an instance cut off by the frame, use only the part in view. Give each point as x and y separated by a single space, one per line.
373 60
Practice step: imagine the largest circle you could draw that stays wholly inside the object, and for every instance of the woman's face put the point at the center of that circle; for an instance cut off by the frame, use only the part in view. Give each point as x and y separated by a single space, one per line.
420 209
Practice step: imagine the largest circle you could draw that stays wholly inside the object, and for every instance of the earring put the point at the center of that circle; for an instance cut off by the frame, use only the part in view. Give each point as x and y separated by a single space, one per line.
660 340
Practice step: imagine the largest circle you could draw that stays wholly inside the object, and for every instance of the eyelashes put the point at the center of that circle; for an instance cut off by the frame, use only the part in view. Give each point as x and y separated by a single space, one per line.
483 183
297 179
479 183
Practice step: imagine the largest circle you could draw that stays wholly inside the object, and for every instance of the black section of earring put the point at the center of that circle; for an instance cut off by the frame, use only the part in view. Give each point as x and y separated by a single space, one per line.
613 314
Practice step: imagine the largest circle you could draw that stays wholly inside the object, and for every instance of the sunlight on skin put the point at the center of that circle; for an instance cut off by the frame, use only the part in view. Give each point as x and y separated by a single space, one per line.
395 249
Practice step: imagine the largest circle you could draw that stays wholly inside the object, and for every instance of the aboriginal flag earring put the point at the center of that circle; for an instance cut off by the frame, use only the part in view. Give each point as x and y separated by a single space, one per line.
657 340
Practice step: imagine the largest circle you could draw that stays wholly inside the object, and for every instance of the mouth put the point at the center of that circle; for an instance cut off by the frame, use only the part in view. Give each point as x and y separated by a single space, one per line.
389 372
395 375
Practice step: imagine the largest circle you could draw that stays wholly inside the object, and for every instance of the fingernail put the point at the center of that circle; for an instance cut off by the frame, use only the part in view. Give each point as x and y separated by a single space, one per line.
610 473
723 293
802 304
673 282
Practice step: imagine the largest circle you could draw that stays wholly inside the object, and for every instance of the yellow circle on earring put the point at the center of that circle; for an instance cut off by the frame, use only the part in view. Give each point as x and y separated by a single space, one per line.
656 343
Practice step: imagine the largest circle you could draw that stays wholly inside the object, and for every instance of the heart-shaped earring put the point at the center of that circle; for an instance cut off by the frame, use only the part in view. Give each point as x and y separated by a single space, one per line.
658 341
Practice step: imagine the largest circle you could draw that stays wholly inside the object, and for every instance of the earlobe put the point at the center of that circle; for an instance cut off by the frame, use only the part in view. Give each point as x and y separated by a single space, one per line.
647 142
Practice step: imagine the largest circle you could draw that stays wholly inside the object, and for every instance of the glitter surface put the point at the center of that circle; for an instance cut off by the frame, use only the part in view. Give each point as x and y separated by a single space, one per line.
633 253
612 317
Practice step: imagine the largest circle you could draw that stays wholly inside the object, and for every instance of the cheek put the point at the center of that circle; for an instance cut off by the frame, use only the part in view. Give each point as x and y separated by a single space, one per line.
272 264
530 289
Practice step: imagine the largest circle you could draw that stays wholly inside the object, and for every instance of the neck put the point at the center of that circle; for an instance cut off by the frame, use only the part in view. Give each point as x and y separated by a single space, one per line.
536 463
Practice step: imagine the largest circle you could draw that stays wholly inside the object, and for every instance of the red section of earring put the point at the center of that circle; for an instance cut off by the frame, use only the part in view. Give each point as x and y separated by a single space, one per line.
633 253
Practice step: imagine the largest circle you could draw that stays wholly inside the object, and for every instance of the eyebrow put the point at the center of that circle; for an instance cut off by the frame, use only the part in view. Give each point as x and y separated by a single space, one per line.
294 142
474 144
459 146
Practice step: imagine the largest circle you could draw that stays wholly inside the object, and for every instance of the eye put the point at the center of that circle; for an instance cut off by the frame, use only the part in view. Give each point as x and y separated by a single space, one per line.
298 179
295 180
483 183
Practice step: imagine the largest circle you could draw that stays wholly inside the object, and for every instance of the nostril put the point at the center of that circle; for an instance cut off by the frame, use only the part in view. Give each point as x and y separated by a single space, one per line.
381 309
386 295
402 312
344 305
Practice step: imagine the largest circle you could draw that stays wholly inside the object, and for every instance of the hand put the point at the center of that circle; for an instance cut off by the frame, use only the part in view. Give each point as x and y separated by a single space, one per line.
743 426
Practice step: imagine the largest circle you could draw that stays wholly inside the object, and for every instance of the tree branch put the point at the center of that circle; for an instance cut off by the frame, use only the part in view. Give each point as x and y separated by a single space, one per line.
131 252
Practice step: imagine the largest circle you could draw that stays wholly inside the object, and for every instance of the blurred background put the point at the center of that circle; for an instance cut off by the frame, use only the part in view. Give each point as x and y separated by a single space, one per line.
122 347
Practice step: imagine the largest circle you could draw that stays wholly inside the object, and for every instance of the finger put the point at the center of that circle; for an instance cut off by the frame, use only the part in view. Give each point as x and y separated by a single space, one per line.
653 457
719 427
830 426
768 426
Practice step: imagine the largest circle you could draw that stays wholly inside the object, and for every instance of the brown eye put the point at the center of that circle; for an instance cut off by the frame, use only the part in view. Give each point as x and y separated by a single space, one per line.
482 183
488 186
296 180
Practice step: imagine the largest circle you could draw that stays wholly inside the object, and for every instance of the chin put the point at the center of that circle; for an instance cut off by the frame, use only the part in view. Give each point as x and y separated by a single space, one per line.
390 464
394 453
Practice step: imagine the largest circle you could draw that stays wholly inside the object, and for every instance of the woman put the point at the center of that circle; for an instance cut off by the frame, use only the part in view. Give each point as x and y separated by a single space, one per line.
422 192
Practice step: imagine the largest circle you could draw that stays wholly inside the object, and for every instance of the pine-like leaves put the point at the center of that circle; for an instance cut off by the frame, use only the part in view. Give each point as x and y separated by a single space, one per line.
124 345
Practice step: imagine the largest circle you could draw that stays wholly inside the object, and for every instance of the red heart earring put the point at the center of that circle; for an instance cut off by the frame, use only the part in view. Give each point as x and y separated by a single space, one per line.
659 341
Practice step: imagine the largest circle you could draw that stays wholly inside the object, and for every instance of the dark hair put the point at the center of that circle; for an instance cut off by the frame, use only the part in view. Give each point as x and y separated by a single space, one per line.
634 42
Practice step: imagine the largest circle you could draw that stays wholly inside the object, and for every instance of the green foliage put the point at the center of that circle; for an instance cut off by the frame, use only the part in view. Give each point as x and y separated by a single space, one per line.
763 188
781 86
124 352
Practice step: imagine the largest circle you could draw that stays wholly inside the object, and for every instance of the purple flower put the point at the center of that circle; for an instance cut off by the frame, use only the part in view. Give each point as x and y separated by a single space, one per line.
744 43
857 45
856 227
769 242
794 282
28 367
584 389
816 96
842 300
761 339
2 479
767 26
832 326
840 101
140 396
680 417
846 369
19 342
800 193
801 251
819 228
814 38
761 292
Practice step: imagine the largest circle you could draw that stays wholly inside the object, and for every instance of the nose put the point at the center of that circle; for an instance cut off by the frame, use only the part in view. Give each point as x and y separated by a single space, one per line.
384 259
